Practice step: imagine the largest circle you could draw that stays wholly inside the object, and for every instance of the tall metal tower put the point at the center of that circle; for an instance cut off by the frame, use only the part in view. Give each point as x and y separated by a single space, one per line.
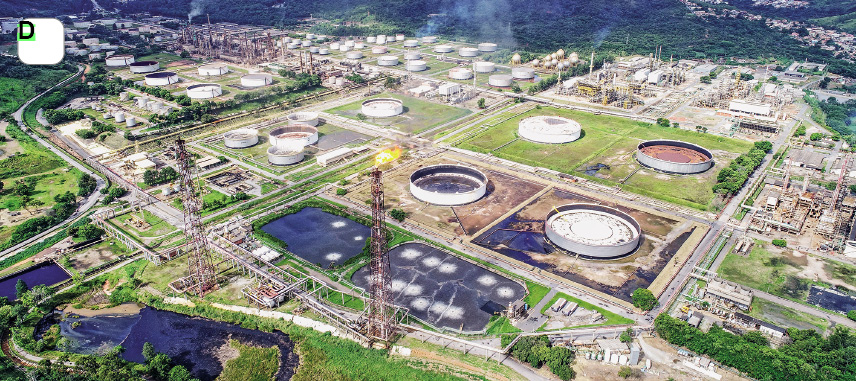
381 314
202 274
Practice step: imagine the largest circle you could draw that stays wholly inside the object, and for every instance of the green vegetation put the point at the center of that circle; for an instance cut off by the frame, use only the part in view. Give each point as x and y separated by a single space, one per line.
419 115
538 351
780 243
398 214
156 226
730 179
20 82
851 314
35 159
152 177
536 293
808 357
610 318
86 232
252 364
644 299
500 325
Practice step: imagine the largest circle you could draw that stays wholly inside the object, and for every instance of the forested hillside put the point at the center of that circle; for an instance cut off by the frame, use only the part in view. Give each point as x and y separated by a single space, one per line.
42 8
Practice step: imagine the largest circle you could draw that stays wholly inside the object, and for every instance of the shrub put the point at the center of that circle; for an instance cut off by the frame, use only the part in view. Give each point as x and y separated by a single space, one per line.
780 243
644 299
341 191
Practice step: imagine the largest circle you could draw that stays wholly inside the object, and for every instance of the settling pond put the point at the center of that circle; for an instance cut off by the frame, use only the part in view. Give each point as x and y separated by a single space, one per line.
48 273
196 343
444 290
320 237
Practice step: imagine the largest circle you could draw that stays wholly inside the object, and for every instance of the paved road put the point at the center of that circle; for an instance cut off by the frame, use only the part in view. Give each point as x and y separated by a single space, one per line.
91 201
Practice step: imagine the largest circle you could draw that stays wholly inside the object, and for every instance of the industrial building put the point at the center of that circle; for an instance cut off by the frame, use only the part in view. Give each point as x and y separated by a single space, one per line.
674 156
593 231
448 184
333 156
731 293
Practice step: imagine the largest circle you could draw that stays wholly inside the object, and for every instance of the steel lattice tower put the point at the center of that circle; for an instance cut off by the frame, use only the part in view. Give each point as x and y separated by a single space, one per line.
202 275
381 314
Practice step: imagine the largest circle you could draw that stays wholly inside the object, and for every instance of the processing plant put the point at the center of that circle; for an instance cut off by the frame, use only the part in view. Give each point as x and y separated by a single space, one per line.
674 156
593 231
448 184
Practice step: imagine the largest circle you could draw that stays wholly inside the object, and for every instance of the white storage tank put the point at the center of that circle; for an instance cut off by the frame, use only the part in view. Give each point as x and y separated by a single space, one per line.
106 115
416 65
284 155
411 43
387 60
468 52
350 43
161 78
213 69
204 91
409 56
487 47
443 49
344 48
382 107
256 80
241 138
155 106
313 50
303 118
523 73
292 45
306 43
310 36
120 116
142 101
429 39
119 60
359 45
399 37
379 50
141 67
484 67
124 96
371 40
460 73
295 134
500 80
130 121
323 51
335 45
354 55
381 39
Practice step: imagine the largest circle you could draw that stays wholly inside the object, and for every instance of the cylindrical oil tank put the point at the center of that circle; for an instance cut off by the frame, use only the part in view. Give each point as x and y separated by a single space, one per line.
409 56
344 48
371 40
340 81
310 36
379 50
119 60
499 80
484 67
443 49
142 101
303 118
284 155
381 39
416 65
124 96
335 45
522 73
256 80
204 91
120 116
313 50
155 106
468 52
382 107
292 45
293 134
286 39
487 47
323 51
213 69
411 43
350 43
161 78
460 73
354 55
359 45
241 138
306 43
130 121
387 61
141 67
429 39
399 37
106 115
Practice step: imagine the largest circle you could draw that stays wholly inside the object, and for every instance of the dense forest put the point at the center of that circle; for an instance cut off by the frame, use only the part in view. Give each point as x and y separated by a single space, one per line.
42 8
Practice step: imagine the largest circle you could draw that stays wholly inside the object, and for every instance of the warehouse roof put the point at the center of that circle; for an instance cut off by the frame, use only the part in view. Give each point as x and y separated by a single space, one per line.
807 158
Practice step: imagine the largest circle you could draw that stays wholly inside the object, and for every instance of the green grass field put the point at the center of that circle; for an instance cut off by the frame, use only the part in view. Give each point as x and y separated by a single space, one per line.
14 92
612 141
418 115
611 317
48 185
786 317
252 364
157 227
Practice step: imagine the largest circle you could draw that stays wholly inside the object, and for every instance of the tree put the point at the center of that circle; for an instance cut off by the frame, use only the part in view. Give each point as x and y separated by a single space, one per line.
800 131
149 352
764 146
516 88
1 186
626 336
816 136
780 243
179 373
341 191
644 299
625 372
24 187
361 116
184 54
851 314
88 232
398 214
705 79
756 337
20 288
663 122
481 103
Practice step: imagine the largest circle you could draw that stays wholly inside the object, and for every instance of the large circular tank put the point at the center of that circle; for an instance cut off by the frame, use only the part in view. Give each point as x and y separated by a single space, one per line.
335 45
593 231
549 129
323 51
293 45
130 121
120 116
303 117
310 36
284 155
443 49
350 43
382 107
499 80
487 47
314 50
306 43
416 65
241 138
256 80
345 48
204 91
448 184
213 69
468 52
381 39
371 40
359 45
409 56
411 43
141 67
387 60
674 156
161 78
142 101
399 37
484 67
379 50
522 73
460 73
429 39
354 55
119 60
294 134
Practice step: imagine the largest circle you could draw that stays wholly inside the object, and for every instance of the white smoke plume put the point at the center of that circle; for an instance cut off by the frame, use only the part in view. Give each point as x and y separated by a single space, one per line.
196 8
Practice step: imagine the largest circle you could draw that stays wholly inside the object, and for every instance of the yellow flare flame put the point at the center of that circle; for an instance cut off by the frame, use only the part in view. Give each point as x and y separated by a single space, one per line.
387 155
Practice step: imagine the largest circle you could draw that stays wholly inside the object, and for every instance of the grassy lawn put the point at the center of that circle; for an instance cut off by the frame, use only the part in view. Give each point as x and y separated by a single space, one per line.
216 201
611 317
768 269
536 293
35 159
48 185
157 227
418 116
786 317
499 325
252 364
14 91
